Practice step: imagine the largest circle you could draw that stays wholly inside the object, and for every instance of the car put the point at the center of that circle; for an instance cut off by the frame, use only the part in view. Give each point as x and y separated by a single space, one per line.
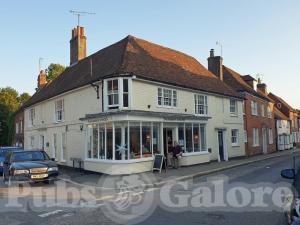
29 166
3 152
293 202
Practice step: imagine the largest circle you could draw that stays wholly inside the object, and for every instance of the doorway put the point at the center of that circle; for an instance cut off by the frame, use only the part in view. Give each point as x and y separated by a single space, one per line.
264 139
221 145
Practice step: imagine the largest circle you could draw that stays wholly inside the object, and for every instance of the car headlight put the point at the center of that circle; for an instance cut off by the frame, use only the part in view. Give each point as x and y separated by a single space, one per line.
16 172
52 169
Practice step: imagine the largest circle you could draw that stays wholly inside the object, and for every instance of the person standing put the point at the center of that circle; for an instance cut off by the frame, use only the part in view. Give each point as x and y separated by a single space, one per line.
177 152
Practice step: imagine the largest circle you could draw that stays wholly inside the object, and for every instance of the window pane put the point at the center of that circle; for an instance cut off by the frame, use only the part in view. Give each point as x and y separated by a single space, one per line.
115 85
89 142
95 141
202 138
196 138
181 136
109 142
189 138
167 97
109 85
101 142
125 85
120 149
146 140
125 100
135 152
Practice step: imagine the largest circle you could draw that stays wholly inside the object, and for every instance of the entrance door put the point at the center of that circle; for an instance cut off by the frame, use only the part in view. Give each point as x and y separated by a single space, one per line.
221 145
168 140
264 139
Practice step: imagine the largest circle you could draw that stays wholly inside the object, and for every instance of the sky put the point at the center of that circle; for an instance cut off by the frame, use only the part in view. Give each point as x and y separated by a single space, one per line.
258 36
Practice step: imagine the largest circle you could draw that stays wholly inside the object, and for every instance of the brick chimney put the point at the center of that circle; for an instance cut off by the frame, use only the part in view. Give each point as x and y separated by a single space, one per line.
41 81
215 64
77 45
262 87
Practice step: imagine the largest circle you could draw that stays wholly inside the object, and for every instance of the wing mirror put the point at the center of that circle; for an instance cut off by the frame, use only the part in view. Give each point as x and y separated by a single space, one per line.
288 173
53 159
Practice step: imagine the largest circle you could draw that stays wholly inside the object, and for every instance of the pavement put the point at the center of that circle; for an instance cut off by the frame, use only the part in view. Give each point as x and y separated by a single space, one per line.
171 175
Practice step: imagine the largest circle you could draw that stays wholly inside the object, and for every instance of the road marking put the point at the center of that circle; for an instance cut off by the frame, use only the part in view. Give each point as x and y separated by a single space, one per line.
50 213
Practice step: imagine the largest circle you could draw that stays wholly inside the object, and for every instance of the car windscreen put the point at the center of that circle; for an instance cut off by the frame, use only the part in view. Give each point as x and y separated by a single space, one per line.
29 156
4 151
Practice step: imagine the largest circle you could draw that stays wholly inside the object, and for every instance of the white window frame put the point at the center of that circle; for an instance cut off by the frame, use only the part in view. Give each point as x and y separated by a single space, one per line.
235 136
255 137
59 110
233 107
162 97
201 101
31 117
254 108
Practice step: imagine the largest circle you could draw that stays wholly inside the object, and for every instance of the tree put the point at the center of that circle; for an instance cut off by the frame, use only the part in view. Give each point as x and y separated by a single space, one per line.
9 98
10 101
53 71
298 111
23 98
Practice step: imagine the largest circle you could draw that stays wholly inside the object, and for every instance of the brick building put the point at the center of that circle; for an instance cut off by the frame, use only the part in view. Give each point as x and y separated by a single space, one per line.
292 114
259 124
19 128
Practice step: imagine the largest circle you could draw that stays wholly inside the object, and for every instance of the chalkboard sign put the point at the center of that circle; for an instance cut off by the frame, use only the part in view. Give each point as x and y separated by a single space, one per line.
158 162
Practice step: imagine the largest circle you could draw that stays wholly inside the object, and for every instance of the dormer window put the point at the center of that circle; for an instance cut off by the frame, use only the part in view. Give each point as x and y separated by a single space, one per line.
117 93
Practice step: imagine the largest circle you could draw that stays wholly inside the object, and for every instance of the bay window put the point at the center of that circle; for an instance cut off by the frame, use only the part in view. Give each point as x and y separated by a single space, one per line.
117 93
135 140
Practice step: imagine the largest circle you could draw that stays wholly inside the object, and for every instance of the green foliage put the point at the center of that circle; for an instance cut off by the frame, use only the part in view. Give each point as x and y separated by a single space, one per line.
53 71
10 101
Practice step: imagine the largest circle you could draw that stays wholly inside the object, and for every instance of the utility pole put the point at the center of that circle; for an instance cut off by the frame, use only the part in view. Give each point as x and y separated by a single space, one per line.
79 14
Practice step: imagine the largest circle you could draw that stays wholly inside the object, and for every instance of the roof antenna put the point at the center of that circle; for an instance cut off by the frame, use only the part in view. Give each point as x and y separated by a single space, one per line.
221 47
79 14
259 77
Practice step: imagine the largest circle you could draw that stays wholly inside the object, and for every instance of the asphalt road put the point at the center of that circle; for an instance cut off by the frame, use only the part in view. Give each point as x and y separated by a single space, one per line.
179 203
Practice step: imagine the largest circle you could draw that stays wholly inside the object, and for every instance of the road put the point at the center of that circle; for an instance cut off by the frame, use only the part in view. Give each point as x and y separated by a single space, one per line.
178 203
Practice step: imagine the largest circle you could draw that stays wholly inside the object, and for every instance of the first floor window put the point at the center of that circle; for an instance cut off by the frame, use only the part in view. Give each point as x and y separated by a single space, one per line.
31 116
125 93
166 97
234 137
201 107
233 106
59 110
262 110
269 112
113 93
253 108
270 136
255 137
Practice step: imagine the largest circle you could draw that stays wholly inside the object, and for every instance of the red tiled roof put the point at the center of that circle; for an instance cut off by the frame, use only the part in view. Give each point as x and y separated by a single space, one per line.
236 81
279 115
279 99
140 58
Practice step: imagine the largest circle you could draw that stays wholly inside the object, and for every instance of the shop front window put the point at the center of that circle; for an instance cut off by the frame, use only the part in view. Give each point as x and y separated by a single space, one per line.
109 142
135 143
196 138
189 137
181 139
101 142
95 141
146 140
120 148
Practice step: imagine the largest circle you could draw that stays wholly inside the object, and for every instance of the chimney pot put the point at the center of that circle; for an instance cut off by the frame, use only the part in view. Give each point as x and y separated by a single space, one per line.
212 53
